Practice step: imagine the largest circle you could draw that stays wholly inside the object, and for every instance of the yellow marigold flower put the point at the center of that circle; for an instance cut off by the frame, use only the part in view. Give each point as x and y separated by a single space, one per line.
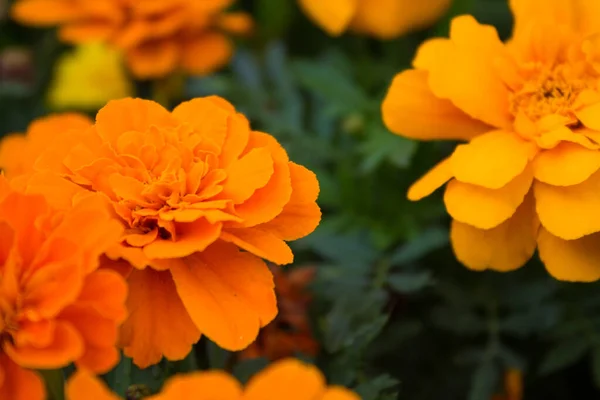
157 36
88 77
202 198
286 379
530 108
18 152
384 19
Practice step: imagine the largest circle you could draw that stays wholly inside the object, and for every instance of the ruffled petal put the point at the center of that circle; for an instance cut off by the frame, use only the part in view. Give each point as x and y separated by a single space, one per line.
191 237
261 243
431 181
19 383
570 260
84 386
211 385
411 109
565 165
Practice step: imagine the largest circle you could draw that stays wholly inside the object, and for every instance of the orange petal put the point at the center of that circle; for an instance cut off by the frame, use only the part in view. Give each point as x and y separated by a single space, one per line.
301 215
65 348
491 160
552 138
229 294
236 139
566 165
289 379
268 202
579 14
431 181
158 323
208 117
462 71
154 59
201 55
84 386
410 109
44 12
503 248
570 212
339 393
19 383
486 208
333 15
570 260
191 237
120 116
210 385
85 32
246 175
238 23
261 243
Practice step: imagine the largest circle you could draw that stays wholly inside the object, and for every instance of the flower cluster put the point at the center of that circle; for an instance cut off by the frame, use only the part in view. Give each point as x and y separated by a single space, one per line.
528 177
156 36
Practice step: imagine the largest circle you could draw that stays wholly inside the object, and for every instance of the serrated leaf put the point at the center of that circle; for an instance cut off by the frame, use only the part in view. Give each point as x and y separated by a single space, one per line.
409 282
563 355
430 240
484 381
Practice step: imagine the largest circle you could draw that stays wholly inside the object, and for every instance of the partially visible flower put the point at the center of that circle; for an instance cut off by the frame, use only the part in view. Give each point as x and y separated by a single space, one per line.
290 332
513 386
18 152
157 36
529 177
56 306
286 379
88 77
384 19
203 198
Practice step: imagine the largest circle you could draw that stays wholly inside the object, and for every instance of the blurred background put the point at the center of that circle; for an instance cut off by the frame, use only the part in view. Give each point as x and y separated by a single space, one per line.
376 297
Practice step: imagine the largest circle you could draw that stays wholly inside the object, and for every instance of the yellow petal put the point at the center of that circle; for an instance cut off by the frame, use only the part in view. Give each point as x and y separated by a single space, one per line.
431 181
486 208
570 260
411 109
491 160
332 15
570 212
565 165
503 248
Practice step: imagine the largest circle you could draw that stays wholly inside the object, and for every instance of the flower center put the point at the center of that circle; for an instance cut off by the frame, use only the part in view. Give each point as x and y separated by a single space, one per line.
549 91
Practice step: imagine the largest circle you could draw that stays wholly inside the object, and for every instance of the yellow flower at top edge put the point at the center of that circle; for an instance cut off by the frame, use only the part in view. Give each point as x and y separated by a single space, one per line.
384 19
288 379
157 36
88 77
530 108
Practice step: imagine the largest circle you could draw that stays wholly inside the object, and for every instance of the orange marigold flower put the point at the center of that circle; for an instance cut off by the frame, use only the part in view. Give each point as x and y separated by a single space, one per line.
202 198
56 306
384 19
18 152
530 108
513 386
286 379
157 36
290 332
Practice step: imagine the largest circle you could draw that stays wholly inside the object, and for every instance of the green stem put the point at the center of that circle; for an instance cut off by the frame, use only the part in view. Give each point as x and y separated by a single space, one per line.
55 383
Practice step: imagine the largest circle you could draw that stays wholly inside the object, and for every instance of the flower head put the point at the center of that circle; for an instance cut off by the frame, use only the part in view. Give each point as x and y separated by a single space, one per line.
290 332
56 306
18 152
157 36
202 198
286 379
88 77
529 108
384 19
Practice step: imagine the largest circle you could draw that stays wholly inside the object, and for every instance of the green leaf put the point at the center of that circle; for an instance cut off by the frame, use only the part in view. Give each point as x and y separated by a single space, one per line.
409 282
563 355
273 16
246 369
374 388
55 383
382 145
119 378
217 357
485 381
430 240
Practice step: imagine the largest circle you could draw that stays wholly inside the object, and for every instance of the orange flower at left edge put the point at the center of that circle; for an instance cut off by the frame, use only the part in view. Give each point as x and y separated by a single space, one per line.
157 37
202 198
383 19
56 306
529 176
286 379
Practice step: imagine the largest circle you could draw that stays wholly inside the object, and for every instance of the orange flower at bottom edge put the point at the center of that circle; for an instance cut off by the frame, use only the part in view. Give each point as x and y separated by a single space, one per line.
56 307
286 379
203 199
513 386
289 333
